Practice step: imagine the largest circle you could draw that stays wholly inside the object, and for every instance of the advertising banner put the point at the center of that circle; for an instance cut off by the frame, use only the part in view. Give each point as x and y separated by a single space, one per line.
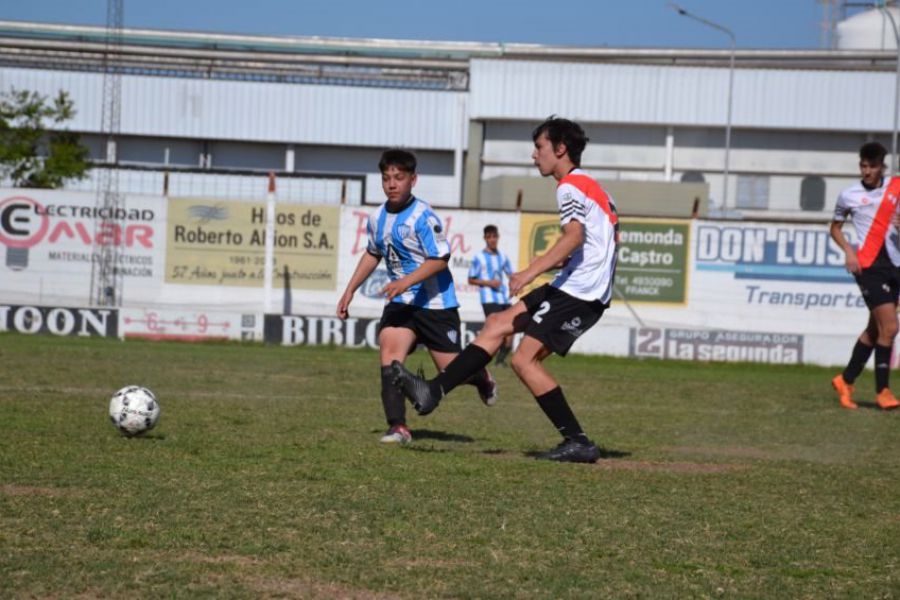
653 261
304 330
64 321
192 269
716 345
50 242
223 243
188 325
773 277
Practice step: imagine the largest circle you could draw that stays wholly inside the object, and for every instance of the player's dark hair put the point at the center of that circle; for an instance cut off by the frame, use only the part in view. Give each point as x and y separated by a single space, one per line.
395 157
873 153
491 229
563 131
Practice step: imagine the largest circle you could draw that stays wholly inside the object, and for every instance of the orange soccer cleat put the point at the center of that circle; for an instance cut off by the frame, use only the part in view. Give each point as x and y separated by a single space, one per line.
886 400
845 391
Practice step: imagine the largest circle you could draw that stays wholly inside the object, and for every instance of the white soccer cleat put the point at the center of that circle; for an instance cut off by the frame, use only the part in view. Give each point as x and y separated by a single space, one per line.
398 434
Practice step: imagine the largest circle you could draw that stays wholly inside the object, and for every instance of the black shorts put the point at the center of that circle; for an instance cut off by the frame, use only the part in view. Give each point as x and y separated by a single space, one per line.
436 329
880 282
558 319
493 307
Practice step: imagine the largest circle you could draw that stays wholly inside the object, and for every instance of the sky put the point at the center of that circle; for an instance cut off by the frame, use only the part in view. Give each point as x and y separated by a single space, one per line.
789 24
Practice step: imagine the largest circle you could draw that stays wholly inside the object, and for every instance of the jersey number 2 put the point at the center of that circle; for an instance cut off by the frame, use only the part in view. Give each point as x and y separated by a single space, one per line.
542 310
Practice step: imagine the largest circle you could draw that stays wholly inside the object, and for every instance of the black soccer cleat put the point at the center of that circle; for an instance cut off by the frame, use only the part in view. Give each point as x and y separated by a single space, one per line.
572 451
415 388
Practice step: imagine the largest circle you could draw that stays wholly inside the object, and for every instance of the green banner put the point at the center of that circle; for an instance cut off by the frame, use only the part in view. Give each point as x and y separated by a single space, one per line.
653 261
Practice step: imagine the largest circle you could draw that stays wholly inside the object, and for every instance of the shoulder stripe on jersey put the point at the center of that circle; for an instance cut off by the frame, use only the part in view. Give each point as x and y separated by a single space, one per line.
574 207
590 188
871 246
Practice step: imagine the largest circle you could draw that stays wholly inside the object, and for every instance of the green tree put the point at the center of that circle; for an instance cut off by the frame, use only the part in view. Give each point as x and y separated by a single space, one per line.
30 154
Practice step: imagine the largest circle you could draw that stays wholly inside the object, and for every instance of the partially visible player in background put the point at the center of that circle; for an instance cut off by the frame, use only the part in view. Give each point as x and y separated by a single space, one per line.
421 302
872 206
553 315
490 271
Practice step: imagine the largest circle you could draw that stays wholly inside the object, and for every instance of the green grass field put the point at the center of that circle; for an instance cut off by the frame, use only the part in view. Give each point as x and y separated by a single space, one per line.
265 478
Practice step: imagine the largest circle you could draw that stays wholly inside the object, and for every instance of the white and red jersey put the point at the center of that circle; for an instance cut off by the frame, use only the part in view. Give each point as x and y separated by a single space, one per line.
590 270
871 212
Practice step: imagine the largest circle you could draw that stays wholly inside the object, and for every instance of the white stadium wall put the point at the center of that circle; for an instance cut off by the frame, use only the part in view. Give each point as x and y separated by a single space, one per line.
260 111
193 269
764 98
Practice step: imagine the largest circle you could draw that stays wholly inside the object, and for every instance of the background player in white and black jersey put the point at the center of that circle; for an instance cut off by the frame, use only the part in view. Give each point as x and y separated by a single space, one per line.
421 303
490 271
552 316
872 205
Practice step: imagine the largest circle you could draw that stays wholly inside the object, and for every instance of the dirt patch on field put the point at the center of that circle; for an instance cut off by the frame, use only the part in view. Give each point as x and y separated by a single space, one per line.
668 467
727 451
431 563
299 588
55 389
221 559
11 489
91 594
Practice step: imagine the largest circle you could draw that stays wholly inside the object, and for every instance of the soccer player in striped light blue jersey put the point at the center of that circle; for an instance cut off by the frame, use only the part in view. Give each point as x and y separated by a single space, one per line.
421 305
490 271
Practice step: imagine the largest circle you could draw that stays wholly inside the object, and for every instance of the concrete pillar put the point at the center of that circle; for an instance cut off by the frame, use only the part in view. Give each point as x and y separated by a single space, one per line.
472 178
670 152
289 159
111 150
459 150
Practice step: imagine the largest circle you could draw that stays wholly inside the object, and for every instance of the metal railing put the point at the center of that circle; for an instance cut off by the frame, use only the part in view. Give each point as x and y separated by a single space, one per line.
229 184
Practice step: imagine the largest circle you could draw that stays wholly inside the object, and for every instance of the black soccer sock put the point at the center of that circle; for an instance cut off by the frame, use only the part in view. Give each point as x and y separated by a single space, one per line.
858 360
502 354
392 400
554 405
882 367
478 378
467 363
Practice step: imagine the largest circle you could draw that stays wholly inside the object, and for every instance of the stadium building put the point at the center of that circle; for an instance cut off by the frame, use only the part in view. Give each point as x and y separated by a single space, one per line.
211 114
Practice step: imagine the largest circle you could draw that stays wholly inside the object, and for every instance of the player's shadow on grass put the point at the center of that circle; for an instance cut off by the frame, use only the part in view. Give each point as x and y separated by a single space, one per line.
441 436
149 437
605 453
428 449
871 406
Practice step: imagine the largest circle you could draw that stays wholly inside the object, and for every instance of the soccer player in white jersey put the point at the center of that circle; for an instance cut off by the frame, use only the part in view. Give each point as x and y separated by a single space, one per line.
554 315
490 271
421 304
872 205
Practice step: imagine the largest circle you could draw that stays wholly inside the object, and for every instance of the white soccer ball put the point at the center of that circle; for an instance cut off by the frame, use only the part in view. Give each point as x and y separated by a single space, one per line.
133 410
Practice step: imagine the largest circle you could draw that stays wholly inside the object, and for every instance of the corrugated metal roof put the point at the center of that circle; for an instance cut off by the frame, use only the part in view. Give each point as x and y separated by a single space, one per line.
437 54
677 95
257 111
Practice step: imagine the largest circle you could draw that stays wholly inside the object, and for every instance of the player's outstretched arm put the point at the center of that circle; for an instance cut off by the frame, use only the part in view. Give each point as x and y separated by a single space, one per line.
365 266
571 238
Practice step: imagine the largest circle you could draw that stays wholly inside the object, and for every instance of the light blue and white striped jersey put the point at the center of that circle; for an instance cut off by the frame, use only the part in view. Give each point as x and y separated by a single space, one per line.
405 240
487 265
